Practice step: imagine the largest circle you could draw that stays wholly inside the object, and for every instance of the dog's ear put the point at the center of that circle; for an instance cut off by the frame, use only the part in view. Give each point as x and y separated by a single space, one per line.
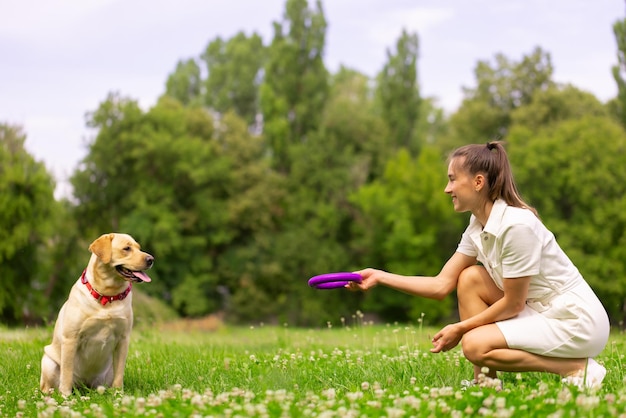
102 247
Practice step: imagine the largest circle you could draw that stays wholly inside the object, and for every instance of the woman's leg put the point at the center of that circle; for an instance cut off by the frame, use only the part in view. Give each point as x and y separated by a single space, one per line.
485 346
476 291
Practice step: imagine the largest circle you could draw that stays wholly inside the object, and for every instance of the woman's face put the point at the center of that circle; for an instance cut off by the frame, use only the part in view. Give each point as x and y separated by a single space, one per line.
461 187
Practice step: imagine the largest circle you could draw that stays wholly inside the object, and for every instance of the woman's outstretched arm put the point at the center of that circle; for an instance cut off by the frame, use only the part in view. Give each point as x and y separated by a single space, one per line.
437 287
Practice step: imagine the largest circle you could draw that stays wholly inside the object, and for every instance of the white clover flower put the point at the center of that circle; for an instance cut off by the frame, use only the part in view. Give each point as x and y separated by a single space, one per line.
588 402
154 400
485 412
329 393
354 396
197 400
394 412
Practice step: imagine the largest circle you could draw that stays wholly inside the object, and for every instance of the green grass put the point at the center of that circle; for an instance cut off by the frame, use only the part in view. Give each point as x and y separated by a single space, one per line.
273 371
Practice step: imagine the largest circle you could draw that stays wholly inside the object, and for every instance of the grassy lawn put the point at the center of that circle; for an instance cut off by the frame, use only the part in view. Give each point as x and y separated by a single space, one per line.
356 370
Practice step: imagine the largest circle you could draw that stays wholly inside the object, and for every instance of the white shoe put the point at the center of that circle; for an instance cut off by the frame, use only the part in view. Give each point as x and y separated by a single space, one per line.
590 377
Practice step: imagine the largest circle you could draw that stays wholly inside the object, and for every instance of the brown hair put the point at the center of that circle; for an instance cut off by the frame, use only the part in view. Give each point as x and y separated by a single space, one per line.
492 161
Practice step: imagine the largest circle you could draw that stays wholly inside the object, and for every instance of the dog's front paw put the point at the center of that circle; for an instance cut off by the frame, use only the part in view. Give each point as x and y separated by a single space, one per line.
47 390
65 392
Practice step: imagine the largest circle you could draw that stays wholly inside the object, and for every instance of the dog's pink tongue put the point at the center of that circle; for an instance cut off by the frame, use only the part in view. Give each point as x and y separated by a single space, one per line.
143 276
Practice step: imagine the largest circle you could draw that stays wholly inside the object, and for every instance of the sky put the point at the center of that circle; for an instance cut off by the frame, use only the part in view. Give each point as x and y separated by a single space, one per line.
59 59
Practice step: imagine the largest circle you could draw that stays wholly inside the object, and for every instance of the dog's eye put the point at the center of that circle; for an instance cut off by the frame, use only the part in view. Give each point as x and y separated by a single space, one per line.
127 248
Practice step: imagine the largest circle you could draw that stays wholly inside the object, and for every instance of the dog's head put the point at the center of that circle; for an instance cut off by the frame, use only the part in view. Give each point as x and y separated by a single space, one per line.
122 253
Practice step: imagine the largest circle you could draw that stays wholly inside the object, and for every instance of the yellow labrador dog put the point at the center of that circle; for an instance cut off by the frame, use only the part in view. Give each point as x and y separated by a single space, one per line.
92 332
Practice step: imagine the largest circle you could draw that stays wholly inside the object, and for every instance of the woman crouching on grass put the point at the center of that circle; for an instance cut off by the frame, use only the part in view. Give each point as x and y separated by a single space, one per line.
525 307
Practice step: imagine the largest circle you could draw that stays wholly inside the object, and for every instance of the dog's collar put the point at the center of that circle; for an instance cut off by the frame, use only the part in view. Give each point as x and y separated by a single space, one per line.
103 299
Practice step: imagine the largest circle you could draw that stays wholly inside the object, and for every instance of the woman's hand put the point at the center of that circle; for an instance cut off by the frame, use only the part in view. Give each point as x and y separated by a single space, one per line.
369 279
448 338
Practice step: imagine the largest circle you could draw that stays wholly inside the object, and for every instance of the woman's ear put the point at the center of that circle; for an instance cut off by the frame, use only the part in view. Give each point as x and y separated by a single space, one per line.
479 182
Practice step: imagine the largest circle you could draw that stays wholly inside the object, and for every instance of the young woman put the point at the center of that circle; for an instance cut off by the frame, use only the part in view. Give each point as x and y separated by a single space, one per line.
523 305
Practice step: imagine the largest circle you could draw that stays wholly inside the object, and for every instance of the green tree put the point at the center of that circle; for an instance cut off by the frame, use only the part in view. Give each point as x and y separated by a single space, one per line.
27 206
398 93
64 256
351 121
573 172
485 112
619 70
295 86
432 123
556 104
101 200
185 83
234 70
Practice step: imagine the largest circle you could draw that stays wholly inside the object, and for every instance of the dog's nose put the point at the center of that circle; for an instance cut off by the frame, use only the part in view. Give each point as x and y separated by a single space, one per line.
149 261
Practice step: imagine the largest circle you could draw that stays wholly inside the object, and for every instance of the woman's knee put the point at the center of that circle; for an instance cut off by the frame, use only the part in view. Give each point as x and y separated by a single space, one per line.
478 343
475 281
470 278
473 350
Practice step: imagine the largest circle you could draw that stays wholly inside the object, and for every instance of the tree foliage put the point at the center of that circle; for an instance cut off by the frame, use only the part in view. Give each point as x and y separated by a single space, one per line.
27 207
185 83
619 70
556 104
398 93
485 112
234 71
295 85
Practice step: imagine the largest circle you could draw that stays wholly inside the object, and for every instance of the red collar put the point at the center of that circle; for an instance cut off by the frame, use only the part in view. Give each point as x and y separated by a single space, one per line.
103 299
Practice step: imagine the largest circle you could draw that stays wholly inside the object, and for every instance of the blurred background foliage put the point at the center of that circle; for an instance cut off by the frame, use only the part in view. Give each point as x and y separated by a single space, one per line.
257 169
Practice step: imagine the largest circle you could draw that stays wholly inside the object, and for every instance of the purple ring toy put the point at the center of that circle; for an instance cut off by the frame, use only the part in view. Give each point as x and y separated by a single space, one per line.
334 280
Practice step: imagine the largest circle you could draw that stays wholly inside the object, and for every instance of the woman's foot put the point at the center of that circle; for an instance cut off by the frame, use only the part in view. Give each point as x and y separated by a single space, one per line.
590 377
